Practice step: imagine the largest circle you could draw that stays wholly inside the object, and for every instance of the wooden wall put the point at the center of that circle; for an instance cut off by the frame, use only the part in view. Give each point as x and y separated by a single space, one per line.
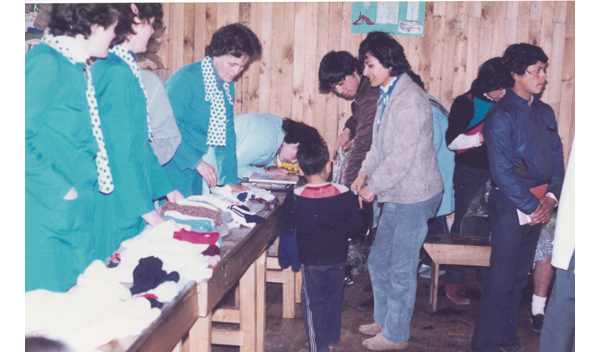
458 38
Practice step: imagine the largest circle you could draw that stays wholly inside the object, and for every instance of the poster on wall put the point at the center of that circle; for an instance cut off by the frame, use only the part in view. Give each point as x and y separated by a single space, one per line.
399 18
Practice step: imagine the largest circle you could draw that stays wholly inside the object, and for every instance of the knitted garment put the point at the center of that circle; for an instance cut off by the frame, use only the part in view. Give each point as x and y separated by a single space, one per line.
149 274
199 211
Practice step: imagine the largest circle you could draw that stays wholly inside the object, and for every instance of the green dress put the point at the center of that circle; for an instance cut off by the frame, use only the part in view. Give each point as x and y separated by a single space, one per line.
59 155
137 175
185 89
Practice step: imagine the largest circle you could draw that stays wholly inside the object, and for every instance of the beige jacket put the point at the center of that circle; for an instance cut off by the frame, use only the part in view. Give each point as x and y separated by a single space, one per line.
402 163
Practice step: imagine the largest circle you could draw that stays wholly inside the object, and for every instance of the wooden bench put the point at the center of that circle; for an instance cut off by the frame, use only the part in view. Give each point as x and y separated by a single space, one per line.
290 280
473 251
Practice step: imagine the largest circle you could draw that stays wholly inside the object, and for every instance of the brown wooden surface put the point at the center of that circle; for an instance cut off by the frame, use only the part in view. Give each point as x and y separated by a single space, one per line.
458 37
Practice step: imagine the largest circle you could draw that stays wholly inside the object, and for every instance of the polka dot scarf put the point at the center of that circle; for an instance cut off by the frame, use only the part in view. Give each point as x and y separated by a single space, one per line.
62 44
218 117
126 56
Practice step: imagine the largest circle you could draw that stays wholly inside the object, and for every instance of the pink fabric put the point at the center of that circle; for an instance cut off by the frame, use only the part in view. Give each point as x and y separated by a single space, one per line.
209 238
325 191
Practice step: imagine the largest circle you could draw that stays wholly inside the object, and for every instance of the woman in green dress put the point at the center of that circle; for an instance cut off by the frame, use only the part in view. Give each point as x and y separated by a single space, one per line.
138 177
202 96
65 158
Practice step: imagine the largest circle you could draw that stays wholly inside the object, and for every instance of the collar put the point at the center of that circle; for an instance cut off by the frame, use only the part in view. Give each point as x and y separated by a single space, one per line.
390 85
69 47
518 99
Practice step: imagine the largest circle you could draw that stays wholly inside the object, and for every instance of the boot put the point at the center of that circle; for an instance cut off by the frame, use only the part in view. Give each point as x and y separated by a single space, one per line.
456 293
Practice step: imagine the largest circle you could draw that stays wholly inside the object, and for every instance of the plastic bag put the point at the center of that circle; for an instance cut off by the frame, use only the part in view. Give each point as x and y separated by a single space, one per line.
476 221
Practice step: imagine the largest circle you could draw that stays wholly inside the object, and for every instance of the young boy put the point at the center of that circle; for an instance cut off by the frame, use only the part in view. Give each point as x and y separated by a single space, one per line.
323 215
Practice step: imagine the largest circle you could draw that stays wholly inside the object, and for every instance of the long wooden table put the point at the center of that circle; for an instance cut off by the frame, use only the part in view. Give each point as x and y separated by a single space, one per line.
186 323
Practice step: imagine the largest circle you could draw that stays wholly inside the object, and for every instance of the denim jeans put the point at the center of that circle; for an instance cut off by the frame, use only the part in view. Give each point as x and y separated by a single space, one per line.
513 249
321 294
393 262
467 181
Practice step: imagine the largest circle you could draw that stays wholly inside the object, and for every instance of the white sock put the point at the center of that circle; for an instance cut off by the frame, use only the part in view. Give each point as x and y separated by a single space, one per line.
537 305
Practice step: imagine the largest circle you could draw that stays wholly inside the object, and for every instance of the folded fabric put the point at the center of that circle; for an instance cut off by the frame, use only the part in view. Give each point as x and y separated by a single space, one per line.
209 238
211 251
196 211
149 274
244 216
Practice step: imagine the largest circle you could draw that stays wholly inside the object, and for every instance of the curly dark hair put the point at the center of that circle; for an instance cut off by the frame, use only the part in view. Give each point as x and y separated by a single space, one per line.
517 57
334 67
74 19
312 157
146 11
236 40
491 76
386 50
298 132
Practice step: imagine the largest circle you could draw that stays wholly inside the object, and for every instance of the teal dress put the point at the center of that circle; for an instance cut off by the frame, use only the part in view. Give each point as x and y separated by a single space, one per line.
185 89
137 175
59 155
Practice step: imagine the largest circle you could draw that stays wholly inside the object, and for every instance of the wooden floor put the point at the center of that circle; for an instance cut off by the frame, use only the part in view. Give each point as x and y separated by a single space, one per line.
448 330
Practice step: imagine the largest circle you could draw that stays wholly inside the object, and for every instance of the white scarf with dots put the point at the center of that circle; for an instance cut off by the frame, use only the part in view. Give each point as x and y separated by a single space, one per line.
126 56
218 117
64 45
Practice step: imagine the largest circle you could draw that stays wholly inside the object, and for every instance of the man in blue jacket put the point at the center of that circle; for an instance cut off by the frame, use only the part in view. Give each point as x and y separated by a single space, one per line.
525 155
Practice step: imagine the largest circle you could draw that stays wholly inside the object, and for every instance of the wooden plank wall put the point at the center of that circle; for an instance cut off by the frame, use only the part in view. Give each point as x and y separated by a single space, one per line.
458 38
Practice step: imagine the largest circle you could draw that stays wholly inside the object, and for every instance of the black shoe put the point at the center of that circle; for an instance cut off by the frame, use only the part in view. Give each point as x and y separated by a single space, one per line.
536 322
367 306
348 279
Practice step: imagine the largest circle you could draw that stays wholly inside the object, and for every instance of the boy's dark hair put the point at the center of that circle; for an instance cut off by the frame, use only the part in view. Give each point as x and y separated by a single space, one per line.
73 19
146 11
236 40
491 76
517 57
386 49
312 157
334 67
298 132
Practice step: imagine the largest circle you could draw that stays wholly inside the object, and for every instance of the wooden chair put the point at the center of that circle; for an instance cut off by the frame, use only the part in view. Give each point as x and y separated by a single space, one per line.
292 281
444 250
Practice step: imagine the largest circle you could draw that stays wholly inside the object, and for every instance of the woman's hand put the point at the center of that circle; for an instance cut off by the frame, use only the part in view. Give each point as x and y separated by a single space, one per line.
72 194
343 140
359 183
174 196
274 170
237 188
208 173
366 195
480 137
153 218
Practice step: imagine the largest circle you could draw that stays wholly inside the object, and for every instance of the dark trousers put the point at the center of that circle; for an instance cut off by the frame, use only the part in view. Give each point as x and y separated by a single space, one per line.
467 181
513 250
322 288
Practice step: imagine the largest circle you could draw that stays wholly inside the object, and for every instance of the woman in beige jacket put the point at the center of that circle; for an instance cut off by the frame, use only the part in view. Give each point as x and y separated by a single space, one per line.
401 170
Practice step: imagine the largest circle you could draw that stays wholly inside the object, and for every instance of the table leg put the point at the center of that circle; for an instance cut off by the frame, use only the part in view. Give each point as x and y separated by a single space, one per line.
261 279
248 311
200 335
435 269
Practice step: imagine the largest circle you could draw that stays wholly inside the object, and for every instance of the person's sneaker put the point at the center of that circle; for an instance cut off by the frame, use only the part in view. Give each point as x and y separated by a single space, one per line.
516 348
536 322
424 271
370 329
380 343
368 305
348 279
456 293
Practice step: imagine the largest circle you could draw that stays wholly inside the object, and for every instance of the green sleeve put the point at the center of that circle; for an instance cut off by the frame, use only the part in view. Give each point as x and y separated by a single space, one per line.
44 180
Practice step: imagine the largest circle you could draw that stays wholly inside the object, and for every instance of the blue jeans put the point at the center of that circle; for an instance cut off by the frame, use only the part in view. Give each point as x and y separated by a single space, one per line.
558 331
467 181
393 262
321 293
513 249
